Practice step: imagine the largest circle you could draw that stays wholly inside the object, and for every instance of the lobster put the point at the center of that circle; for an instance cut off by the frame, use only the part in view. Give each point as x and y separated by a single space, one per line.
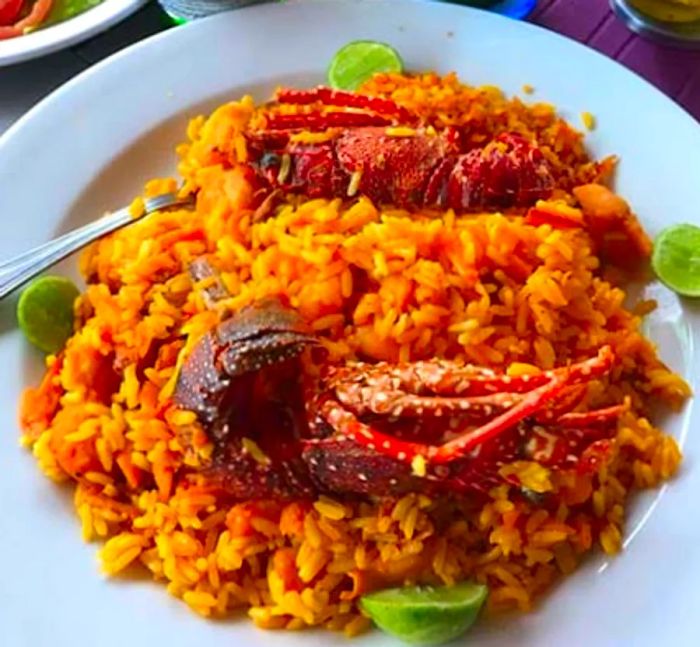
374 429
371 146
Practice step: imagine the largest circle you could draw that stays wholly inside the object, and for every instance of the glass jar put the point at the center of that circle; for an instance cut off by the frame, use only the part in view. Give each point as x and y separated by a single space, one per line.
672 22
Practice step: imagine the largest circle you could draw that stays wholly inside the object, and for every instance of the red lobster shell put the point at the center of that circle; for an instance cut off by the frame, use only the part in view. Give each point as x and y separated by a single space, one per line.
373 153
377 429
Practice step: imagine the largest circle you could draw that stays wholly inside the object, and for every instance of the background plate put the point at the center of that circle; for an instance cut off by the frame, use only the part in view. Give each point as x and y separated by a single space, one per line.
90 146
65 34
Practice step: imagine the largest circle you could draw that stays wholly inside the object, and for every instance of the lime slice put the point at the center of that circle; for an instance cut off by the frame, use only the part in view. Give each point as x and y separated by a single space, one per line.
45 312
426 615
356 62
676 259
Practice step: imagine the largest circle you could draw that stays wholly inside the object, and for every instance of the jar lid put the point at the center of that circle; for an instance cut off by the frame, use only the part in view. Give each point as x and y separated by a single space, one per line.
677 34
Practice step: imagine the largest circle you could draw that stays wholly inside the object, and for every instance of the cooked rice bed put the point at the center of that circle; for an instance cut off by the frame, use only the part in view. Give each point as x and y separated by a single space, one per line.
374 284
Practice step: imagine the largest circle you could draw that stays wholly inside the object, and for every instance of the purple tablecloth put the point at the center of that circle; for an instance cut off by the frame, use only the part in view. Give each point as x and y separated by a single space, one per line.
676 72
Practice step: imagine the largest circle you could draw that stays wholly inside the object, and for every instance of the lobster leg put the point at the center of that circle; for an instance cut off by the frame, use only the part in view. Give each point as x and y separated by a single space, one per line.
315 121
398 403
569 399
587 419
443 378
449 381
348 425
340 98
529 404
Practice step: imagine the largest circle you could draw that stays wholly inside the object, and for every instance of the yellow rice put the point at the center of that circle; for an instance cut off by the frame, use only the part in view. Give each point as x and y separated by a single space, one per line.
486 289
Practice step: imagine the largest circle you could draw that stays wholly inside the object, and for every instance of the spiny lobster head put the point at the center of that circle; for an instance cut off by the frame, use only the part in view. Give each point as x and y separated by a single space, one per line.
242 381
293 166
258 336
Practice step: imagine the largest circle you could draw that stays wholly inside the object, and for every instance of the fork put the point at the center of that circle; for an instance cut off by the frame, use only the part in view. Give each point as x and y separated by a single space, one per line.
18 270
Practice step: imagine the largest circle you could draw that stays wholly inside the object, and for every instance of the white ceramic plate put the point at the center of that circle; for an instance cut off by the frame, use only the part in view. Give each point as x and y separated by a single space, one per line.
67 33
89 147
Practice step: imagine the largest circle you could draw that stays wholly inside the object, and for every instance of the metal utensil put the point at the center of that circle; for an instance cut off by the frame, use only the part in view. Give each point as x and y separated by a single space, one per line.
683 35
20 269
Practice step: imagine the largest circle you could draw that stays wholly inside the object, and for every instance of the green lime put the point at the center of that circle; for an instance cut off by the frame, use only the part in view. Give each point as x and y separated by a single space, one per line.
45 312
426 615
356 62
676 259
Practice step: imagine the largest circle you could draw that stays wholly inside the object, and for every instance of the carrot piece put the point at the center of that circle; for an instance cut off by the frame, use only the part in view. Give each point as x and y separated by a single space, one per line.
132 474
558 220
40 9
284 564
38 406
9 32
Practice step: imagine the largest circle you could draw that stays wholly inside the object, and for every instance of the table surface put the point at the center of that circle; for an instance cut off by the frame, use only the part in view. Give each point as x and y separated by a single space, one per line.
676 72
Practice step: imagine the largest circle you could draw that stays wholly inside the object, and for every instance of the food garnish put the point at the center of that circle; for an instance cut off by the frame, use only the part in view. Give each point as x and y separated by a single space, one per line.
426 615
45 312
676 258
356 62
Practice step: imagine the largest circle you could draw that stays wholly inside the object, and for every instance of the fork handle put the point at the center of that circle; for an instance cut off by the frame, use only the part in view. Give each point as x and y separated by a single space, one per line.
25 266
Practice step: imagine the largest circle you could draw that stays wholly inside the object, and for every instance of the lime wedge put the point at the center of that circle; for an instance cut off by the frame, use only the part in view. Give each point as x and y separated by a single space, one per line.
45 312
356 62
426 615
676 259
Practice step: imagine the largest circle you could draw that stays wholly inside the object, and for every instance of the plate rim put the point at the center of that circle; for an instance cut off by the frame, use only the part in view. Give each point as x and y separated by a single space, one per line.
97 68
